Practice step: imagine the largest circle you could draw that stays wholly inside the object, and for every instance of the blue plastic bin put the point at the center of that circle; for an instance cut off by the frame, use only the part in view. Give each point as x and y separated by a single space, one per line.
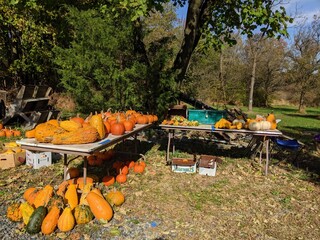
205 116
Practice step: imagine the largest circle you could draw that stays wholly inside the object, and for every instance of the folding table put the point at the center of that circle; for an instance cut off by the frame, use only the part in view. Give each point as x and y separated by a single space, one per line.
266 135
84 150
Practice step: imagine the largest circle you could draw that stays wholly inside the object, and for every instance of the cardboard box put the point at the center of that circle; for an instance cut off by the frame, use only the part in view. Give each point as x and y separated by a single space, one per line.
38 159
208 165
184 165
12 159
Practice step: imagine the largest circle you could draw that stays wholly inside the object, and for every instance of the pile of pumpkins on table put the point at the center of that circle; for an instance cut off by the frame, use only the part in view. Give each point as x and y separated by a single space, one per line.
72 202
78 130
262 123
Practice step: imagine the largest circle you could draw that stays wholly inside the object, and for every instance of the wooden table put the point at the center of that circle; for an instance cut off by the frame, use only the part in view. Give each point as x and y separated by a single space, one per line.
84 150
266 135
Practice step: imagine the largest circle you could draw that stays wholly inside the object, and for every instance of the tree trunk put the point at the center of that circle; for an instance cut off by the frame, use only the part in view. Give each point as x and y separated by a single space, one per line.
253 79
221 78
198 13
301 108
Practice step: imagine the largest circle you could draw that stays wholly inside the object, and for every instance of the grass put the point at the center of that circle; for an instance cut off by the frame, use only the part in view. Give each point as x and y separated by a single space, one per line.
239 202
300 126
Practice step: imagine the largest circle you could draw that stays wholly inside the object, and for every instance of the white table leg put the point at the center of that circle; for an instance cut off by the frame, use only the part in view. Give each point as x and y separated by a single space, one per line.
85 166
267 155
65 166
168 147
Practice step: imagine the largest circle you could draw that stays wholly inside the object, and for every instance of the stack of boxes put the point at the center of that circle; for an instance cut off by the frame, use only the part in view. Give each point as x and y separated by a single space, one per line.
205 165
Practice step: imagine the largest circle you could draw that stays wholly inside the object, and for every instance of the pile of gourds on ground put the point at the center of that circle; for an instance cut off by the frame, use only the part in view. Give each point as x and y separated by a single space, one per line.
78 130
72 202
179 121
259 123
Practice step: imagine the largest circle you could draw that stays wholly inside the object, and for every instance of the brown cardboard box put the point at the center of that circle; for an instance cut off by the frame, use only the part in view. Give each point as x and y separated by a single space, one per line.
12 159
184 165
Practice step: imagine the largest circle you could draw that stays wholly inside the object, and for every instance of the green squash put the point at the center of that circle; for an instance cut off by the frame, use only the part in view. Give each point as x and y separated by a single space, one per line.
36 219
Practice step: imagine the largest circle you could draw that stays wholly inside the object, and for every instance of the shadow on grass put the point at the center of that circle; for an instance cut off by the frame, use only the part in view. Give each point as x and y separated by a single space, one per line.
305 161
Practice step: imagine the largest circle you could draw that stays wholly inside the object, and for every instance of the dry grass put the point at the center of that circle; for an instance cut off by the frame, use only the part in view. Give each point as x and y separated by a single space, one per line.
238 203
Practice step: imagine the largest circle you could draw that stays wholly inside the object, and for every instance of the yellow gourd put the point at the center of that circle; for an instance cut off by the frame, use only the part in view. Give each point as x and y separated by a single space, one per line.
70 126
97 122
71 196
85 191
26 211
66 221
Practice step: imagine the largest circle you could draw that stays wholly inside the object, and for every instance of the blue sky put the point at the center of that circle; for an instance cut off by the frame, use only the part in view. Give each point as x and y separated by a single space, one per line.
301 10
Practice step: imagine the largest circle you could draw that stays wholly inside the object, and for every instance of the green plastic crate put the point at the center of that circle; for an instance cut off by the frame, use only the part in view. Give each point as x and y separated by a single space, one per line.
206 116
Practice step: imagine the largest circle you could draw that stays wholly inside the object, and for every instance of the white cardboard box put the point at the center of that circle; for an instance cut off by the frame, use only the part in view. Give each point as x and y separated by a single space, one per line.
184 165
208 165
38 159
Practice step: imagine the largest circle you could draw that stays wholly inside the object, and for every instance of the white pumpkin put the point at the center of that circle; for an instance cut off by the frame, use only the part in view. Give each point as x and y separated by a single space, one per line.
254 126
265 125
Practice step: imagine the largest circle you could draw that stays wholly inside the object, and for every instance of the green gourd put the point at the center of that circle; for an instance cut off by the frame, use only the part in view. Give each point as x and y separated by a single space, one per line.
36 219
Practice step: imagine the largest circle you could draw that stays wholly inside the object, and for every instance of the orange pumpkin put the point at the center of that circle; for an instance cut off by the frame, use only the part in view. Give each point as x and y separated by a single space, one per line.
108 180
121 178
16 133
27 193
9 133
2 133
93 160
128 125
138 168
117 128
77 119
142 119
73 172
44 196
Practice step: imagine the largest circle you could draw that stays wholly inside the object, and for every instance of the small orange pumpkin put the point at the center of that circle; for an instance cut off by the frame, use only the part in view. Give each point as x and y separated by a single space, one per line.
121 178
138 168
118 128
108 180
